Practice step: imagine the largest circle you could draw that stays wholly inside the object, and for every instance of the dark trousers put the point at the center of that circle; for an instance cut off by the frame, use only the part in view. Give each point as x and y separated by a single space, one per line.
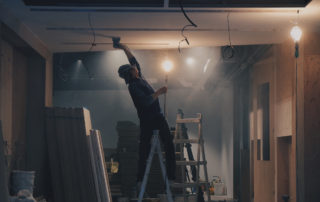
146 132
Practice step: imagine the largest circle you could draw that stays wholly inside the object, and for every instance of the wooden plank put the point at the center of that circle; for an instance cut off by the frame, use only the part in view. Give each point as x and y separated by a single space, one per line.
311 160
94 164
55 167
102 175
19 111
65 162
77 159
4 193
264 171
88 174
6 93
81 173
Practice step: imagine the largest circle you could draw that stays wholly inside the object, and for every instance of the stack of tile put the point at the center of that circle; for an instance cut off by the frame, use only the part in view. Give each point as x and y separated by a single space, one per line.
76 157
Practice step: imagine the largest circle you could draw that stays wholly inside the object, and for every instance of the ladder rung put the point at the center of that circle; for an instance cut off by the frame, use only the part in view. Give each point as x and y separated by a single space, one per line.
189 120
188 184
190 162
181 141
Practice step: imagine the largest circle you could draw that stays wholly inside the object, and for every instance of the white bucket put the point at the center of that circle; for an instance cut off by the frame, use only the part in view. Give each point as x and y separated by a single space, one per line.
22 180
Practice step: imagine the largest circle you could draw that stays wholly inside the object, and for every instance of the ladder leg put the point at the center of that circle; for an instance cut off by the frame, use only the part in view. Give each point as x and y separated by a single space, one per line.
198 156
147 171
205 170
164 173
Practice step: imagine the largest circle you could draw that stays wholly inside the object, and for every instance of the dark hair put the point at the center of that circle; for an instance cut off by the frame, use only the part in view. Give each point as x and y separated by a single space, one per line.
124 72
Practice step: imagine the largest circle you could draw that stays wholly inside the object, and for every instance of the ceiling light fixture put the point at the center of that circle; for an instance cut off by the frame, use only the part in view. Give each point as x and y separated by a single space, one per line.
296 34
228 51
190 61
167 65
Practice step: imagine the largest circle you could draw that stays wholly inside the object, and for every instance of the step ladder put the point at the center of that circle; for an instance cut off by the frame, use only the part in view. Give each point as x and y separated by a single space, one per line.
200 160
155 148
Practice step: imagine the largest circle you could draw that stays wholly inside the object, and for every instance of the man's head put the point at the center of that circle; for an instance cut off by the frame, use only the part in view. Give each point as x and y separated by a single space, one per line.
128 72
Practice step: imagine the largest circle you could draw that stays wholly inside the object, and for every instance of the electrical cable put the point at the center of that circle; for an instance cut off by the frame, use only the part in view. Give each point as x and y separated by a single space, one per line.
228 51
229 29
93 33
192 24
92 44
61 72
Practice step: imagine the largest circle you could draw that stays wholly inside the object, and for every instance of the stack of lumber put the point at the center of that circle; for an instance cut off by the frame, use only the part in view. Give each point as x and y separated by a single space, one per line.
76 157
128 146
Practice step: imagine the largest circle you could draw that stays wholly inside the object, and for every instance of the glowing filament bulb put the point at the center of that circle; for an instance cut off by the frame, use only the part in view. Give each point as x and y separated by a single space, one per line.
296 33
167 65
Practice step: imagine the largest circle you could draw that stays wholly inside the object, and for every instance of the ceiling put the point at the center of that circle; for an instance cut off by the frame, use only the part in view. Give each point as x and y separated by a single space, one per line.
159 27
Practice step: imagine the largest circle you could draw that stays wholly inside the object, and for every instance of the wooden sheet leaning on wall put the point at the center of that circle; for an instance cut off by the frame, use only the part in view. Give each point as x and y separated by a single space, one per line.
77 171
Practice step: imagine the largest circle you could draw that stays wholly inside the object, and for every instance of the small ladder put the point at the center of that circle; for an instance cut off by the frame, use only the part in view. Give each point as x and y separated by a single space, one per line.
155 148
179 140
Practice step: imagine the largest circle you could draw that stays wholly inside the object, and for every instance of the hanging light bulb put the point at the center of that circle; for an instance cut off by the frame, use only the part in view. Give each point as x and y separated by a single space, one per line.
167 65
296 33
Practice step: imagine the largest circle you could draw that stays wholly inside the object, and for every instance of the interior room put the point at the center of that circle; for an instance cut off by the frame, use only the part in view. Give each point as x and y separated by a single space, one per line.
159 100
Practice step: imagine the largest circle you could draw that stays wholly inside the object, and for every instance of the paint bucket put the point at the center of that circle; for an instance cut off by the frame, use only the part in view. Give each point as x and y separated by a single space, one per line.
22 180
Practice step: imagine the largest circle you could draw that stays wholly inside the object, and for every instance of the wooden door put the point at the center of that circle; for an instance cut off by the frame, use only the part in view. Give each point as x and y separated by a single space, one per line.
263 133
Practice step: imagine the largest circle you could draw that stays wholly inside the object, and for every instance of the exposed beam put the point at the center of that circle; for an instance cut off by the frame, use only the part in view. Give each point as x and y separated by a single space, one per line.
23 32
127 29
164 10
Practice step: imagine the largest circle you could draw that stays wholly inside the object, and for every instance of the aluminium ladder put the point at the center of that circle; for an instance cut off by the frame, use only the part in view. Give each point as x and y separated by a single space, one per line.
180 140
155 148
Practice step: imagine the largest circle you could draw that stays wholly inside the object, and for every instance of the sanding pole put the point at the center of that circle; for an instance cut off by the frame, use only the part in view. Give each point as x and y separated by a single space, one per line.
165 97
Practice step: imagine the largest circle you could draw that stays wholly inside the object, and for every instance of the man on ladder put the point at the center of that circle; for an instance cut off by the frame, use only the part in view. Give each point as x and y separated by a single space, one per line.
146 101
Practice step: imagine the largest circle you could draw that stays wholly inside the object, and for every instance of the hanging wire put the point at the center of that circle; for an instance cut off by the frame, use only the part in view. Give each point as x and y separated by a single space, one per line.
192 24
93 44
93 33
229 29
63 75
228 51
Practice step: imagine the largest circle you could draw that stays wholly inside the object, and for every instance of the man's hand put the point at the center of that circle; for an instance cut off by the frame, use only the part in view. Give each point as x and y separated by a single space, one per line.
119 46
160 91
163 90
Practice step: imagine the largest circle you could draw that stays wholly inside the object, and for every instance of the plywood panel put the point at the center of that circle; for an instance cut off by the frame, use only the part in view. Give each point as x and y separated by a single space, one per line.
285 126
312 126
285 88
19 109
6 93
264 171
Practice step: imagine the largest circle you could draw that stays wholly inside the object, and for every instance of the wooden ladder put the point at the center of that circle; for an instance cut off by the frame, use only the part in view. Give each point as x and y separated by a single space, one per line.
200 160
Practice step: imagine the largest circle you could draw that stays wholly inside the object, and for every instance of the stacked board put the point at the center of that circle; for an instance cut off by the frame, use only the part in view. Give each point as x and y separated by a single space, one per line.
128 146
76 158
